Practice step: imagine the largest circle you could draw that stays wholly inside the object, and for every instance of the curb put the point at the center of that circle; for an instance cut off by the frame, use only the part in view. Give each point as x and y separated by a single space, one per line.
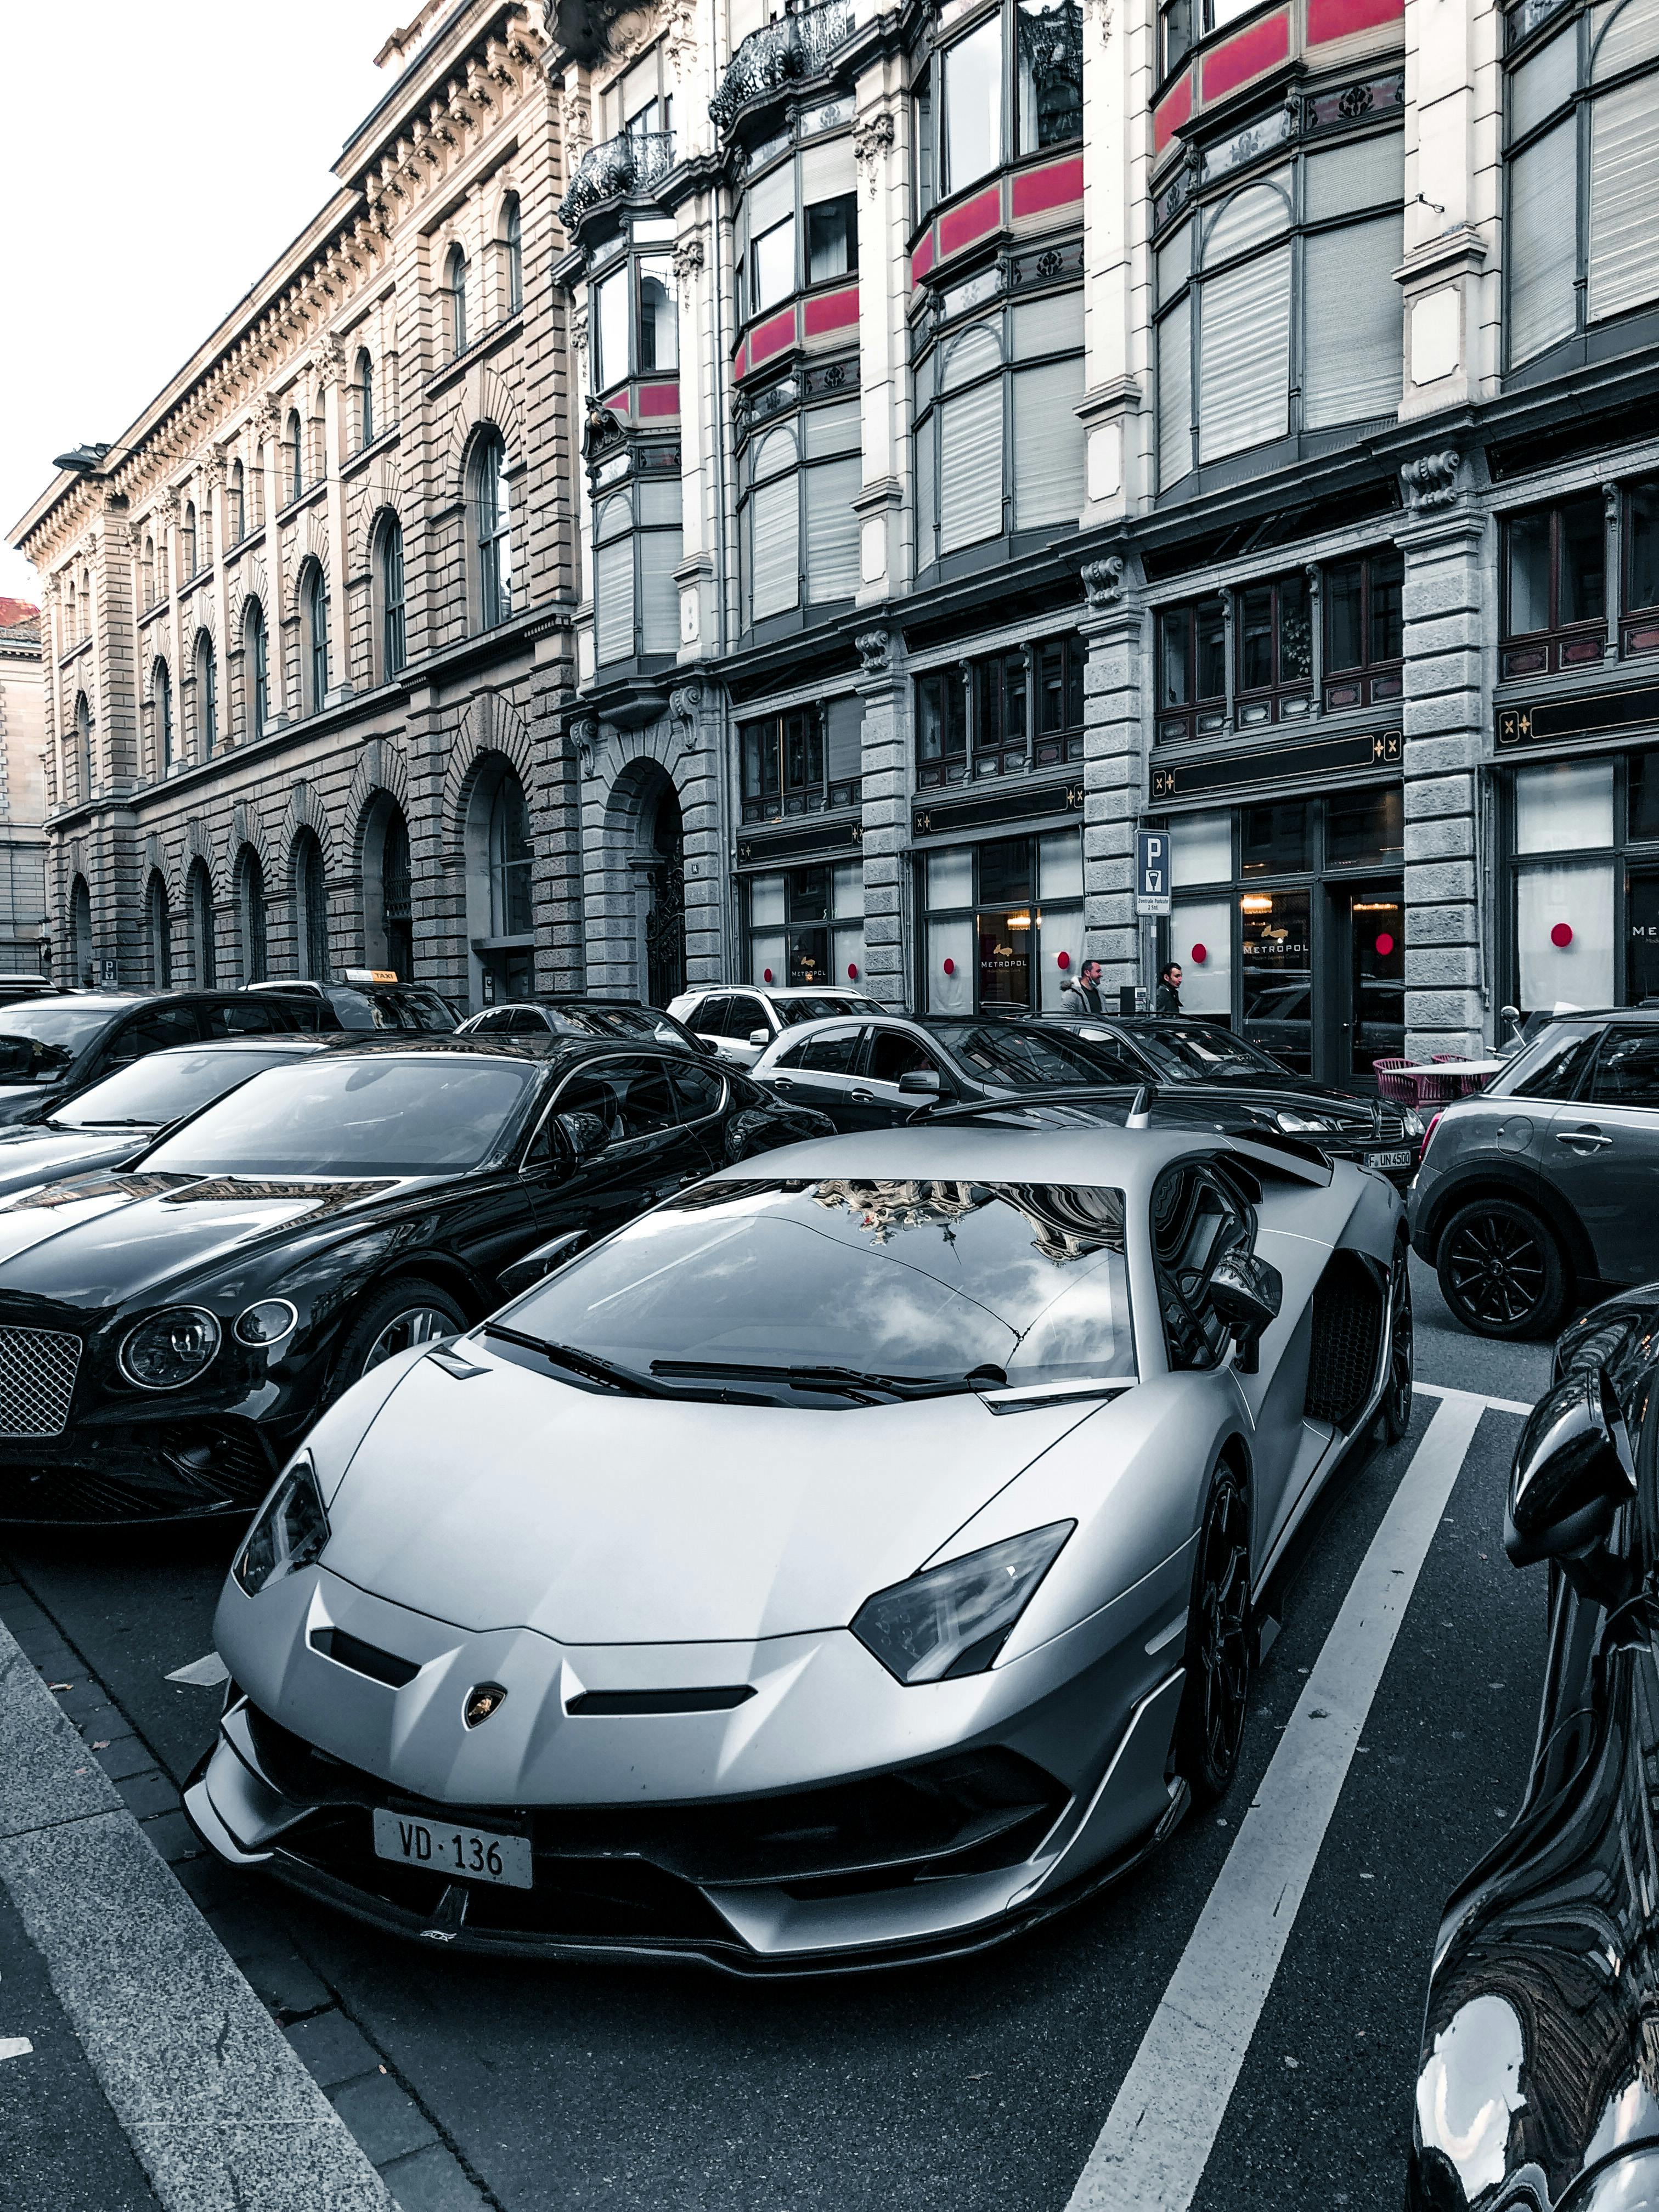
219 2107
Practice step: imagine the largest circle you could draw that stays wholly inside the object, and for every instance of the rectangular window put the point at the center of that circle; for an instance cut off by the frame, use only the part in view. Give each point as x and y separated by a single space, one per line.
659 317
922 140
773 265
1276 973
800 763
1244 356
1578 972
1564 806
1192 678
832 529
1001 713
1623 266
1363 636
970 466
1642 544
775 546
660 597
611 330
1365 828
832 239
1275 650
1554 563
1543 242
1048 444
941 726
1175 32
613 600
1048 41
972 73
1277 839
1175 395
1201 849
1351 344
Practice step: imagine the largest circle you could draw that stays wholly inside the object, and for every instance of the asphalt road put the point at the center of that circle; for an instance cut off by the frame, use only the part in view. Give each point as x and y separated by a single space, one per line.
959 2089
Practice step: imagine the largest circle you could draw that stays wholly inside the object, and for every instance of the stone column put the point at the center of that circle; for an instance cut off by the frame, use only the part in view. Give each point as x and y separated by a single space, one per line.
1113 770
1445 729
886 825
881 147
331 376
695 716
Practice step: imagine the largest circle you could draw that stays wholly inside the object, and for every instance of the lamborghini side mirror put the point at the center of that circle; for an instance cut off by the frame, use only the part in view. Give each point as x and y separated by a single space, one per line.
1573 1470
1247 1293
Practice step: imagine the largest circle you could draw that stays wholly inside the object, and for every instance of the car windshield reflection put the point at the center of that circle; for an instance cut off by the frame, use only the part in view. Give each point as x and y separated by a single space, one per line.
1201 1054
39 1042
160 1088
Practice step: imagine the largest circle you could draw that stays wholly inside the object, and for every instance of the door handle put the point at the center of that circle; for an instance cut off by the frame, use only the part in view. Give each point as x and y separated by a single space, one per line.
1591 1139
862 1097
783 1083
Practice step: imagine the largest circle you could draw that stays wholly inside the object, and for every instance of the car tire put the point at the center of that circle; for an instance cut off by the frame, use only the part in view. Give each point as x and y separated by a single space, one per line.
409 1311
1210 1726
1502 1270
1395 1416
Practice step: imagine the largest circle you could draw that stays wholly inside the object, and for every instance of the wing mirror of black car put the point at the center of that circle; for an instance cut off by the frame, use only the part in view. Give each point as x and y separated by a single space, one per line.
1247 1293
530 1266
585 1133
923 1082
761 1037
1573 1470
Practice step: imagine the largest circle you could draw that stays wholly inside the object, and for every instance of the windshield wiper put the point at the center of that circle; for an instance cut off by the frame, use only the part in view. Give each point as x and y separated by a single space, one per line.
131 1122
854 1382
588 1364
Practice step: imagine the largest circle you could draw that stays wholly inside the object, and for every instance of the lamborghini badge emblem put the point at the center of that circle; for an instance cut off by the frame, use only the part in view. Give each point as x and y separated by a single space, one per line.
482 1699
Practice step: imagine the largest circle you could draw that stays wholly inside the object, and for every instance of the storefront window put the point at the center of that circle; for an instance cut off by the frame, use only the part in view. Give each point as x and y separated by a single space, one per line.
984 721
1276 974
1275 840
1365 828
1564 908
806 926
1554 586
999 918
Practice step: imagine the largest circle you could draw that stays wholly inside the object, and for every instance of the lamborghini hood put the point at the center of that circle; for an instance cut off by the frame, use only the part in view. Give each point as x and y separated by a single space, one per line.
513 1499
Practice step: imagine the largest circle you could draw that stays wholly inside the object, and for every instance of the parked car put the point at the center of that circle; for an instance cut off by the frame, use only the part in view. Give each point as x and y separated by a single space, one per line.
740 1021
734 1718
1544 1188
368 1000
169 1331
109 1122
532 1019
1537 2082
13 988
885 1069
52 1047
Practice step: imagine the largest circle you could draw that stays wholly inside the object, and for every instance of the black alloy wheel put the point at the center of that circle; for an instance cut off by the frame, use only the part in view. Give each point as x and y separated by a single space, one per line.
406 1313
1396 1416
1211 1724
1501 1270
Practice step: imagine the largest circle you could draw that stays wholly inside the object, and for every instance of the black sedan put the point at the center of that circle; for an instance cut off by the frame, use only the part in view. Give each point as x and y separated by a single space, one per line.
534 1020
169 1331
1538 2083
51 1049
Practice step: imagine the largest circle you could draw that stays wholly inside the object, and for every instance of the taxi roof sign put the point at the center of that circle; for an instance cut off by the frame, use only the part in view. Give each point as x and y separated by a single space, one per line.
371 975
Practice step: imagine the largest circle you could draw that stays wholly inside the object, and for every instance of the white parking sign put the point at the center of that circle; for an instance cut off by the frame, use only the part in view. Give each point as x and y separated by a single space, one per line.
1152 872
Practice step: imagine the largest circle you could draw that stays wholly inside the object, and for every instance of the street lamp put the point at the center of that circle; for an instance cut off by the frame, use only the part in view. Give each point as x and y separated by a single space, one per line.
81 460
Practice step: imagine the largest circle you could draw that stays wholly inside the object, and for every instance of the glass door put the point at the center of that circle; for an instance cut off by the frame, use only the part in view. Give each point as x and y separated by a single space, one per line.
1371 1018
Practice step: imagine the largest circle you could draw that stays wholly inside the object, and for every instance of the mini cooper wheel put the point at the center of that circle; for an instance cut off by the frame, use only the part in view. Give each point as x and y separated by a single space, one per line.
405 1314
1211 1724
1501 1270
1396 1416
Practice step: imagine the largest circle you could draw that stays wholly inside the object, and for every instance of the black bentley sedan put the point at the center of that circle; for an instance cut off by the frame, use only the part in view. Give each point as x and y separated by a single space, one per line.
169 1330
1538 2080
51 1049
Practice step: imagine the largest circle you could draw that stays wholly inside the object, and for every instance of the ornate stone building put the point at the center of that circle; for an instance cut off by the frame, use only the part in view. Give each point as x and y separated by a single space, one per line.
854 470
23 793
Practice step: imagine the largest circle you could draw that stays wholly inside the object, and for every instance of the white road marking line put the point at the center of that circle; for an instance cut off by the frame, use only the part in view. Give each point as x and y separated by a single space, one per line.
205 1673
1152 2151
15 2047
1476 1398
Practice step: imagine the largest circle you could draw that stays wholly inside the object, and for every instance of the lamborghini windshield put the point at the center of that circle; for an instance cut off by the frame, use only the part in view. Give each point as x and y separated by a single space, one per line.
948 1284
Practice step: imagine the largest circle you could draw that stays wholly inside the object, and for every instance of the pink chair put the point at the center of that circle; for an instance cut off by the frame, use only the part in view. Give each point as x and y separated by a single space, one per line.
1466 1085
1400 1087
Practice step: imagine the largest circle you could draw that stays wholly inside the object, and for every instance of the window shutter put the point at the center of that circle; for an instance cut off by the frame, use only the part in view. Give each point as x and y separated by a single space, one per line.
1258 213
1630 37
660 597
970 467
1543 241
613 601
1243 356
832 430
827 170
771 199
1050 326
844 744
832 530
1175 395
1624 241
1047 444
775 522
1546 79
926 495
975 352
1353 329
1369 173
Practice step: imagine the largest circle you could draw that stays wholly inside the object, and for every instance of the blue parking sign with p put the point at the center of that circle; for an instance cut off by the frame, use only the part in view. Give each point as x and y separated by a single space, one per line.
1152 870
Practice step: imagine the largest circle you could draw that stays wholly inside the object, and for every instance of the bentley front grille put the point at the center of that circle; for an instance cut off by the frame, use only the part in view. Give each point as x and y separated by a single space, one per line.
36 1381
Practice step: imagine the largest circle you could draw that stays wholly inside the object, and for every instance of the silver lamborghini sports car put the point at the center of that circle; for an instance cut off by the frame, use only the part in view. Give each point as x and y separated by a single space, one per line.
854 1559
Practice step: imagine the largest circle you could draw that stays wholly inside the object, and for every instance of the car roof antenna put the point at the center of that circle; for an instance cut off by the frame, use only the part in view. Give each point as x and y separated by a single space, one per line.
1140 1113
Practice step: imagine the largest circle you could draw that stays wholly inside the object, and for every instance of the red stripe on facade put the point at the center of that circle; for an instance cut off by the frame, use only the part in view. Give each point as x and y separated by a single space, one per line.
1175 109
972 219
922 260
658 399
1056 185
740 359
617 401
1238 59
769 337
1340 19
831 311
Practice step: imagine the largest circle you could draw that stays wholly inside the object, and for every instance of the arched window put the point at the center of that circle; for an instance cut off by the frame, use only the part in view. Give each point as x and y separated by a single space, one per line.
81 930
198 891
393 638
296 454
251 915
86 603
455 290
207 696
310 907
236 504
491 505
187 540
395 933
510 857
364 398
162 686
159 927
314 602
256 668
78 765
147 563
512 253
71 612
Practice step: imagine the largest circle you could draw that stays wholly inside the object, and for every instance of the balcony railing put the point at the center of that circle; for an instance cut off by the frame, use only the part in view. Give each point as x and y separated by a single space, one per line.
782 54
634 162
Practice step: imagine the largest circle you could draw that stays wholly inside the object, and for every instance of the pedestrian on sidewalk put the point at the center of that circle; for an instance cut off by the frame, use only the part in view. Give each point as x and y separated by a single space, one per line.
1169 988
1083 997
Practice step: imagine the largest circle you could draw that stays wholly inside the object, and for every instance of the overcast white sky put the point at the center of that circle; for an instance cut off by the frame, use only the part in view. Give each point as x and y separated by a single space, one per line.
153 160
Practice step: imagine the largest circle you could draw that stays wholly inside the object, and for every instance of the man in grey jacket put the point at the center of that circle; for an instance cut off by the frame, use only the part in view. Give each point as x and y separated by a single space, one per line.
1083 997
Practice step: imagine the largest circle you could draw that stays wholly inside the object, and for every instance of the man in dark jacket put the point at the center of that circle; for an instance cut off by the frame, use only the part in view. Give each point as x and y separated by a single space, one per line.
1083 997
1169 989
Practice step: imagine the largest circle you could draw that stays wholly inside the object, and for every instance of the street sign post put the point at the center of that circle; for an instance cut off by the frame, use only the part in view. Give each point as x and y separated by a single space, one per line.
1153 872
108 972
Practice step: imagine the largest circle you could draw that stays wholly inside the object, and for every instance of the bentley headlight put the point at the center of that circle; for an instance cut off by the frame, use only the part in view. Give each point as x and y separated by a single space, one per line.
1290 1118
289 1533
267 1323
954 1619
171 1348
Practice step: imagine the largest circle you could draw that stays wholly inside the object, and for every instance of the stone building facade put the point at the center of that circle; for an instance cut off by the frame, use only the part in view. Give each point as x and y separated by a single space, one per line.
938 442
23 945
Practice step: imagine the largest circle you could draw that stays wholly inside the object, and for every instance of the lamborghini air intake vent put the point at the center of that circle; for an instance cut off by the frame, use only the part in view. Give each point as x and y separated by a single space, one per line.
1347 1340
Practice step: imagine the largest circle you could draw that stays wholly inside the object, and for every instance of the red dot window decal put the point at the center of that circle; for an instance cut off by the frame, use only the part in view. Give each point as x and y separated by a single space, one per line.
853 970
1561 936
766 975
1200 954
1062 960
950 967
1384 944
